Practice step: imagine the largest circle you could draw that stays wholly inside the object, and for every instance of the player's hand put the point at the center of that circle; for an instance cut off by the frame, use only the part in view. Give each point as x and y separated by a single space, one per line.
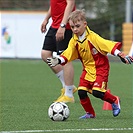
125 59
60 34
130 59
43 26
53 61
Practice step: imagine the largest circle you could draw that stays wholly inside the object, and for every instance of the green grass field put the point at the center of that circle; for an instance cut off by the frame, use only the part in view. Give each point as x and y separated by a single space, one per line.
28 87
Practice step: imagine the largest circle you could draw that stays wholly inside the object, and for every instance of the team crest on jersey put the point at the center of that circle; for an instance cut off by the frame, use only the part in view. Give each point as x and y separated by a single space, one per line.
94 51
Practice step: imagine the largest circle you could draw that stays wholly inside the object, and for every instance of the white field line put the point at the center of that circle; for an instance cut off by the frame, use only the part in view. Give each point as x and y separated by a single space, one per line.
68 130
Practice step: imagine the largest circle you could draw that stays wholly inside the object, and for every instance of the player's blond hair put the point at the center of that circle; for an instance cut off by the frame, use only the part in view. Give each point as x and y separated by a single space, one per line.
77 15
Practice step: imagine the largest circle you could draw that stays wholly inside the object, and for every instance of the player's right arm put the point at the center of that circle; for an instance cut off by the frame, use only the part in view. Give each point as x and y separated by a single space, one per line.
68 55
55 61
45 22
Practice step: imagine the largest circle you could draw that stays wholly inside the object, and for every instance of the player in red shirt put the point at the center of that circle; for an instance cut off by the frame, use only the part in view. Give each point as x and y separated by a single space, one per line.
56 40
92 51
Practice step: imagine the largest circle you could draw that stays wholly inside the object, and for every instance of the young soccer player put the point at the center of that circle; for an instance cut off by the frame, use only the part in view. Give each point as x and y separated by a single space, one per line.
92 51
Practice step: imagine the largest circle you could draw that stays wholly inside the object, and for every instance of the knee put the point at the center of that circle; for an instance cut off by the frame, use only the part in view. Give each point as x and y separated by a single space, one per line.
45 54
82 94
98 94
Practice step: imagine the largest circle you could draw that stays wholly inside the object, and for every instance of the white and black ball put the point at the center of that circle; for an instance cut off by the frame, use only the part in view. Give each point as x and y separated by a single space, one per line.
58 111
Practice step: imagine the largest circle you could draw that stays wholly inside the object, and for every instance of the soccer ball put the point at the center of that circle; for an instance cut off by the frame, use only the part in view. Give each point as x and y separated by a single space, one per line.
58 111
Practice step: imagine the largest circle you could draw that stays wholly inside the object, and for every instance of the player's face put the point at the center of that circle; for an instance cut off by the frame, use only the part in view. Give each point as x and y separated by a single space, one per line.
78 27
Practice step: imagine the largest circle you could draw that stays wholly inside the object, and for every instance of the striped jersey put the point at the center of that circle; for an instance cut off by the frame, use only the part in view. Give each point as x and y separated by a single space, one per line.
92 52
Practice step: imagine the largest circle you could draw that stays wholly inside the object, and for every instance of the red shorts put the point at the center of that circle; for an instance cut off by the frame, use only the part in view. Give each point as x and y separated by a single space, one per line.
100 83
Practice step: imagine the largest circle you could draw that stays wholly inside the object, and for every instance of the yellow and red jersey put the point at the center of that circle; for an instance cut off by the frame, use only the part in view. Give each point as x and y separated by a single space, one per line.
92 52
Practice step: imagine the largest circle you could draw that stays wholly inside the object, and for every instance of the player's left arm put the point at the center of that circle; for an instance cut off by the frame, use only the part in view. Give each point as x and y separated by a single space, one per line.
124 58
68 10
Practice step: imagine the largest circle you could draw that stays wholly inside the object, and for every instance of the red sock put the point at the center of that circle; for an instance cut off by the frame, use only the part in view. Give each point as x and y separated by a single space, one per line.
86 104
109 97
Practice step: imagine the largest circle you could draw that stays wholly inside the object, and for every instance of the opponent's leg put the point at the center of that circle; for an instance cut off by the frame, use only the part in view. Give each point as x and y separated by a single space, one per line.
69 87
67 69
67 90
58 70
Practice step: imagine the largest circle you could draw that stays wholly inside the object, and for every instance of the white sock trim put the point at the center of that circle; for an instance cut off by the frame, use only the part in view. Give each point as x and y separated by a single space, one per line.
60 76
